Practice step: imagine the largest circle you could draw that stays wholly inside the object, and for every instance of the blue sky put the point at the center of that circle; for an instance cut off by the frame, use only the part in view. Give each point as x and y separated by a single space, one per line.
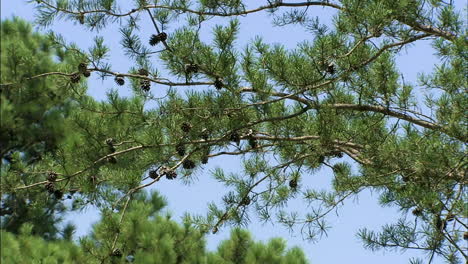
341 245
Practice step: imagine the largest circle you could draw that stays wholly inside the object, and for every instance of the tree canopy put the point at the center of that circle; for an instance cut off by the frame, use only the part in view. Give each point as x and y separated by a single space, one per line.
336 102
148 237
34 119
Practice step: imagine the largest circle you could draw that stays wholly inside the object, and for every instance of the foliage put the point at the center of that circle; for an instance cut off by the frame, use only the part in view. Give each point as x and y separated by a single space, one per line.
335 102
25 248
147 236
34 123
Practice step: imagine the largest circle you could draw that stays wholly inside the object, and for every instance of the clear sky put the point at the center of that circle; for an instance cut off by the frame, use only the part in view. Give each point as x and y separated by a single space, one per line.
342 244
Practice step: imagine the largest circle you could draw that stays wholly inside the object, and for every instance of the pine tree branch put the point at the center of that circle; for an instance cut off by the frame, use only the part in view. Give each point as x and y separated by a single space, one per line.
364 108
136 76
41 76
225 216
416 26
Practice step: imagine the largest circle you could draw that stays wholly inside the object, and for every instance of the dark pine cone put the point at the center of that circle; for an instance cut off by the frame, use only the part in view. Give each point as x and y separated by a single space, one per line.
119 80
293 184
218 83
205 134
153 174
337 154
465 235
331 68
110 141
440 224
245 201
145 85
75 78
143 72
112 160
116 253
321 159
81 18
253 142
52 176
204 159
234 137
170 174
186 126
180 148
188 164
191 68
87 74
417 211
155 39
82 67
111 149
50 187
58 194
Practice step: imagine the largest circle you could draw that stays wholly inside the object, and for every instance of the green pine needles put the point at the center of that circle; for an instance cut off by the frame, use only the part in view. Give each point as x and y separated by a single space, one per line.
337 103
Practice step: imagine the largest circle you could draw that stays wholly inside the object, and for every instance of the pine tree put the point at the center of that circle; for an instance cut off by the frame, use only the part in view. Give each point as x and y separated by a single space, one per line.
241 249
25 247
33 124
146 235
335 102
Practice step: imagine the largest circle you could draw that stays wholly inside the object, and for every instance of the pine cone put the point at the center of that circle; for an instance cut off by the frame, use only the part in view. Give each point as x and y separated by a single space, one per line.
417 211
218 83
82 67
58 194
116 253
186 126
75 78
143 72
205 134
155 39
321 159
180 148
246 201
153 174
191 68
112 149
50 187
52 176
170 174
337 154
87 73
81 18
145 85
293 184
188 164
110 141
331 68
440 224
234 137
204 159
112 160
253 142
119 80
465 235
